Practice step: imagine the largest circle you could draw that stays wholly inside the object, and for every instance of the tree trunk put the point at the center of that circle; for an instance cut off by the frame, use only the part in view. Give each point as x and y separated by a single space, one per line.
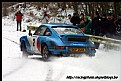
4 9
86 12
75 6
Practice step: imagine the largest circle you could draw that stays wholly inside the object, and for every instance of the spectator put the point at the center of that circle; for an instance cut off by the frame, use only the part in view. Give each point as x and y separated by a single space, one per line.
82 18
118 21
118 24
86 25
96 25
104 26
19 19
75 19
112 29
45 18
68 19
104 29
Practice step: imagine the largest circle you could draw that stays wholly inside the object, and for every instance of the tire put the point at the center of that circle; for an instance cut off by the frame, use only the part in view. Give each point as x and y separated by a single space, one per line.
23 49
91 54
45 53
65 55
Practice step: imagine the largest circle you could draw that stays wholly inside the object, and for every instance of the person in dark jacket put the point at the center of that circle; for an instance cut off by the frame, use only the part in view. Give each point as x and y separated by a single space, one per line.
96 22
112 26
75 19
118 21
104 29
118 24
81 18
96 25
19 19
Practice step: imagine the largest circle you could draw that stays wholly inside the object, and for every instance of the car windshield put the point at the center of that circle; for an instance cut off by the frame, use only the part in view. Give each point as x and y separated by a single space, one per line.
67 30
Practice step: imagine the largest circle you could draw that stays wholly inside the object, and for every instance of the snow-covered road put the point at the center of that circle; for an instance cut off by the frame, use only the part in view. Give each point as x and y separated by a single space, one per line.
16 68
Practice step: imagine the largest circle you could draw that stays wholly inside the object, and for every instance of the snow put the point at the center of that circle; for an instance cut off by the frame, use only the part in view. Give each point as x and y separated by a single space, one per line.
17 68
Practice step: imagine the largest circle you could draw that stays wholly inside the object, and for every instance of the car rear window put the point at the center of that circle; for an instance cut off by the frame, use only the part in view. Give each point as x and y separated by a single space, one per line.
67 30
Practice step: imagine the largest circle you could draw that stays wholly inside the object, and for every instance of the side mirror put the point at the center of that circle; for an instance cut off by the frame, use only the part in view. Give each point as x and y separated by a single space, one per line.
30 34
24 31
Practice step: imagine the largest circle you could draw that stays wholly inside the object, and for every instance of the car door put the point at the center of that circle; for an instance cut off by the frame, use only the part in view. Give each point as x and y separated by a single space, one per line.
33 39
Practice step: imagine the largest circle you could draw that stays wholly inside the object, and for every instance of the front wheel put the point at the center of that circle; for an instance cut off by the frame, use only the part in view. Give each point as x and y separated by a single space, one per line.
45 53
23 49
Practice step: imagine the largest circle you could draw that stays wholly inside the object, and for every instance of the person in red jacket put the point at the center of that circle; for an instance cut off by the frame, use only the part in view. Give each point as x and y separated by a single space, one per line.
18 19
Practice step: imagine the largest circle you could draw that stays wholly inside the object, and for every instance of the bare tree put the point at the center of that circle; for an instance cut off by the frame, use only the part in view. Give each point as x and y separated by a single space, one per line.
75 6
4 8
117 8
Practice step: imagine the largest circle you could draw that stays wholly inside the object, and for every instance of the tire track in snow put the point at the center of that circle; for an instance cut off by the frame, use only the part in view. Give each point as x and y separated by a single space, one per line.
59 76
49 68
49 72
11 40
16 69
19 67
62 72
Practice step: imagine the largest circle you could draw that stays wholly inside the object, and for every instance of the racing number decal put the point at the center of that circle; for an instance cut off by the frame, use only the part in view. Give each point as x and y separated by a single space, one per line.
35 45
33 42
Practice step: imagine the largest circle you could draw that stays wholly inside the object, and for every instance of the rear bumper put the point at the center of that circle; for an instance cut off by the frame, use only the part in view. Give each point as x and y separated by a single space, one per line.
66 51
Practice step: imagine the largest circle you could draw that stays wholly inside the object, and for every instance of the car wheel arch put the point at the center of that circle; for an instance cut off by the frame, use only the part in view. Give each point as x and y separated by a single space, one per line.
43 44
23 45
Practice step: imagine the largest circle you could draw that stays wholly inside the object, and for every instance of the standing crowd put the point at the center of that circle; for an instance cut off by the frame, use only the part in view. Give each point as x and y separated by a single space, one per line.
100 25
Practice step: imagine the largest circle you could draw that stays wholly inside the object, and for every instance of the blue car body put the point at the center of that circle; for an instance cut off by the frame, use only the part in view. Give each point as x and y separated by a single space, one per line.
58 43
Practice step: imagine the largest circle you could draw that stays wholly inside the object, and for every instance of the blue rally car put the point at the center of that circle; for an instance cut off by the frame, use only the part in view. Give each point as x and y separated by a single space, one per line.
59 39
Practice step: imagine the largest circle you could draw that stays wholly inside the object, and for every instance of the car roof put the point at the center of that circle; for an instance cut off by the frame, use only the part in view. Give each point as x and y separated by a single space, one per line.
58 24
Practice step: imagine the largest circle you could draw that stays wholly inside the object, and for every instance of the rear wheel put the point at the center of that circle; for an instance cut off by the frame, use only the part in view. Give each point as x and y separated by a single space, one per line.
23 49
92 54
45 53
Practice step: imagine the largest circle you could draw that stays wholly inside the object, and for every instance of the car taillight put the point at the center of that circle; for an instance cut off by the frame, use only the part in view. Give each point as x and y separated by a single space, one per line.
60 47
92 48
